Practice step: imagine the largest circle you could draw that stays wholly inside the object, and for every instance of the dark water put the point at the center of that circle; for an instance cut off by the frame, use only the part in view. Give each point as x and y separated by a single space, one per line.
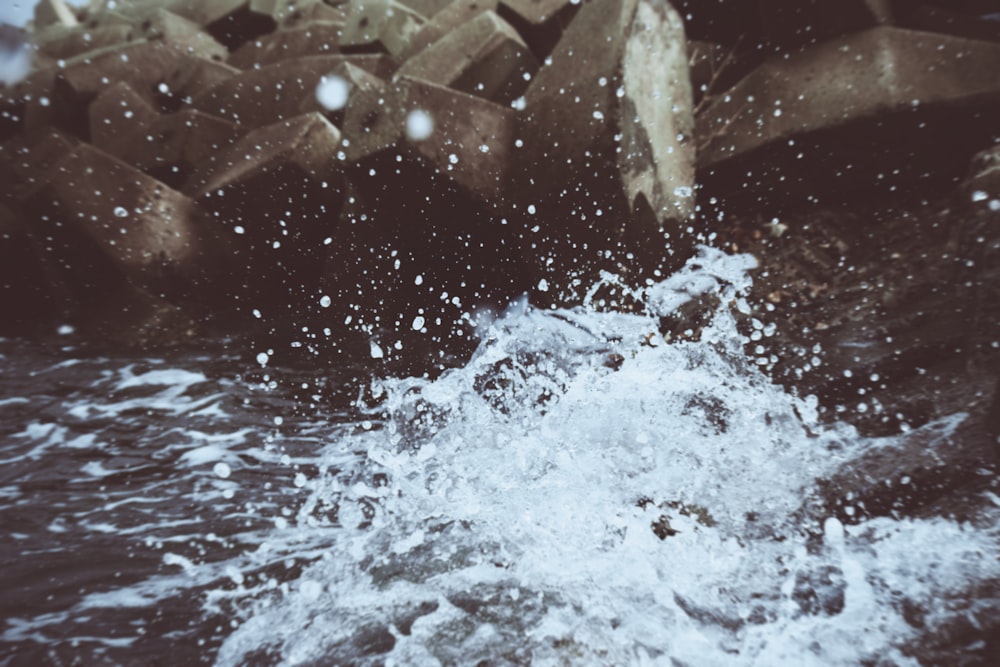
578 493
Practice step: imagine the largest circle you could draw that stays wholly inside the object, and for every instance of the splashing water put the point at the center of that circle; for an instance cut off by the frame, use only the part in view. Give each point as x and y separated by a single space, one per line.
583 493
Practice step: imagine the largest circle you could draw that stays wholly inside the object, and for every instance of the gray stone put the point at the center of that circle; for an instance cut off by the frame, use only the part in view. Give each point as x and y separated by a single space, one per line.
808 108
259 97
117 116
457 13
148 231
315 39
484 57
383 25
607 132
49 12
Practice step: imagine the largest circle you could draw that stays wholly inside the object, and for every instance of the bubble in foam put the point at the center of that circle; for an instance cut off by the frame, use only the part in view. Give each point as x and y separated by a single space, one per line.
332 92
419 125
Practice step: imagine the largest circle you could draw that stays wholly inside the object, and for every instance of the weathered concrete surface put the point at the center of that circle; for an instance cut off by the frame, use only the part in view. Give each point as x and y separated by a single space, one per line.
191 76
273 198
315 39
540 22
117 115
26 162
863 98
379 25
69 42
149 231
788 24
258 97
457 13
609 122
49 12
484 57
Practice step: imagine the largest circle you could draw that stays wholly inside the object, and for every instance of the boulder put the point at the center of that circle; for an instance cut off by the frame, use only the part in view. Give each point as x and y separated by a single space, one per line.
457 13
606 131
465 139
70 42
117 116
484 57
881 105
189 77
273 197
540 22
54 12
258 97
147 231
315 39
789 24
381 26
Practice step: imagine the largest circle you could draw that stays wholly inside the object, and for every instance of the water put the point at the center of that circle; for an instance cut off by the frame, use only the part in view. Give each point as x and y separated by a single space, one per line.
579 493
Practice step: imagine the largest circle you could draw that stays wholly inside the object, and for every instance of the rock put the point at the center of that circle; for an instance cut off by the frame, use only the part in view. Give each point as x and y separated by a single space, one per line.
864 108
457 13
606 132
67 43
169 147
484 57
206 12
789 24
259 97
27 161
147 231
354 88
540 22
25 300
949 20
314 12
49 12
117 116
189 77
187 36
382 26
469 140
315 39
274 196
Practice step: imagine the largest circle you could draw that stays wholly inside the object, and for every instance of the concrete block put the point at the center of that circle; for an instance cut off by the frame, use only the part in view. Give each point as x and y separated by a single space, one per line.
468 143
205 12
191 76
382 26
259 97
426 8
117 115
311 12
273 197
540 22
67 43
845 111
26 162
457 13
484 57
50 12
186 35
146 230
607 133
364 91
789 24
970 25
314 39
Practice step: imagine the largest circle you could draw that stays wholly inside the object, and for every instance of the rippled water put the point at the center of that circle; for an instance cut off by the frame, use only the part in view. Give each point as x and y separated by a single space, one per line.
579 493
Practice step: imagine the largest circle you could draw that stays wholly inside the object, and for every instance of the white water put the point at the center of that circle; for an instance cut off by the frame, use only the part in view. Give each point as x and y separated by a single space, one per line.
503 513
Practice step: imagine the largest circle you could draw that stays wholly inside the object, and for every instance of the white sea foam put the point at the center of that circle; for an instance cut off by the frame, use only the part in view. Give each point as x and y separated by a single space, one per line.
514 520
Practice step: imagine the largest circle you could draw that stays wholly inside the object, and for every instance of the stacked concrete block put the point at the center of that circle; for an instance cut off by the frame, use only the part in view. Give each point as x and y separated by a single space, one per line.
484 57
839 114
315 38
379 25
608 132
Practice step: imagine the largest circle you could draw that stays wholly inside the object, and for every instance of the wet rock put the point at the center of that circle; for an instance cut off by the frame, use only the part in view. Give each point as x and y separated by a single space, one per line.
484 57
315 39
608 161
273 197
820 591
871 107
788 24
68 43
259 97
379 26
116 116
147 231
457 13
49 12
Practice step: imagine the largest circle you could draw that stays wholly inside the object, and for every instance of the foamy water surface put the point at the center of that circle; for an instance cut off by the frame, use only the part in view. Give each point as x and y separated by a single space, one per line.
579 493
